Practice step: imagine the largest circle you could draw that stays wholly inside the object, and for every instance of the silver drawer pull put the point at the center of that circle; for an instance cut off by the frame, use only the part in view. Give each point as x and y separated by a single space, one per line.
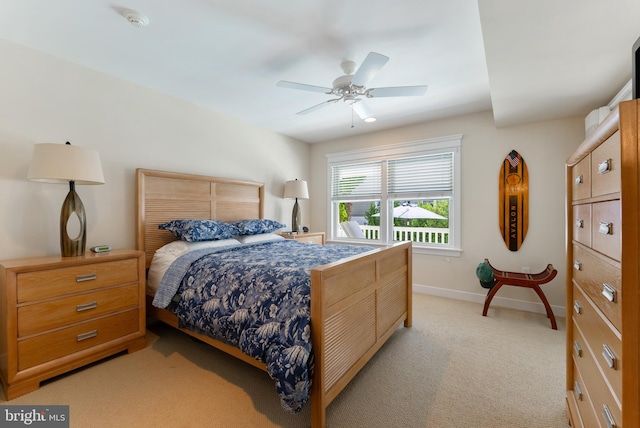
608 417
577 390
604 166
605 228
86 306
609 292
87 335
579 180
86 277
577 307
579 223
577 265
577 349
609 356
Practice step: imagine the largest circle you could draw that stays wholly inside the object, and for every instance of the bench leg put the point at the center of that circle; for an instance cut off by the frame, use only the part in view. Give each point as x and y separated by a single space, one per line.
547 306
535 288
490 295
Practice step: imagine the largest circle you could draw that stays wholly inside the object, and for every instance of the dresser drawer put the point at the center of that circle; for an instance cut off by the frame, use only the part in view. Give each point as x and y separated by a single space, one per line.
39 349
605 167
606 228
581 179
602 339
601 281
49 283
585 405
52 314
595 385
582 224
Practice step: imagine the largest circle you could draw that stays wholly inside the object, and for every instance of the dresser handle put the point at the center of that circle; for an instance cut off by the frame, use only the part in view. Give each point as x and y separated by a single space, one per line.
577 307
609 356
609 292
579 179
604 166
86 306
577 390
86 277
605 228
608 417
579 223
87 335
577 349
577 265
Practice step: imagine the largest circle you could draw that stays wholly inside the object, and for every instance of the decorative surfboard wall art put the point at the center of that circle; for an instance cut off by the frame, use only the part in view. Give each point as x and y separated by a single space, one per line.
513 199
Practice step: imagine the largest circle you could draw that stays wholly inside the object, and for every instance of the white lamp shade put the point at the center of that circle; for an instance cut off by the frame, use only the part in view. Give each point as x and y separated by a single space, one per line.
62 163
296 189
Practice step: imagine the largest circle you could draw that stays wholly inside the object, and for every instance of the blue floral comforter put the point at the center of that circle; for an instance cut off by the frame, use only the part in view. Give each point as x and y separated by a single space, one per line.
255 297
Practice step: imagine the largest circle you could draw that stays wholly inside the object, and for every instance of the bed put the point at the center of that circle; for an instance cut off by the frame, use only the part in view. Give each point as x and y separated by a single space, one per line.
356 303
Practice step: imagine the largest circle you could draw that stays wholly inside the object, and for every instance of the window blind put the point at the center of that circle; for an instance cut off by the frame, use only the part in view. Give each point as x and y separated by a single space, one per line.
421 174
356 180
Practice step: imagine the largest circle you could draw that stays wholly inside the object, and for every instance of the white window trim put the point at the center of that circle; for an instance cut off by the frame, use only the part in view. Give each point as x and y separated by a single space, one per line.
414 148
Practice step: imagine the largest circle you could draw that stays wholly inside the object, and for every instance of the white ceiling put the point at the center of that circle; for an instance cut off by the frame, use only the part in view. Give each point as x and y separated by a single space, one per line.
527 60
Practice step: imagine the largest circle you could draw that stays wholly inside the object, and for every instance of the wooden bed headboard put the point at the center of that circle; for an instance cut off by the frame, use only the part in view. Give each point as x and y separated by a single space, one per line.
162 196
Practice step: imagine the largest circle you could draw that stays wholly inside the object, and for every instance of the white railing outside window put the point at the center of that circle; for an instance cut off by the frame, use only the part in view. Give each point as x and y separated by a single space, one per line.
426 235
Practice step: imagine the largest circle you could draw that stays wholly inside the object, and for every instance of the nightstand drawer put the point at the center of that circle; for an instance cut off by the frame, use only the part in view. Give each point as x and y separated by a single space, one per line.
313 239
307 237
49 283
47 347
52 314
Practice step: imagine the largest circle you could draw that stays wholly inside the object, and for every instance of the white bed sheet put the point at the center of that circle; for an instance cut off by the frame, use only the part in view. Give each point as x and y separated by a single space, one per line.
166 255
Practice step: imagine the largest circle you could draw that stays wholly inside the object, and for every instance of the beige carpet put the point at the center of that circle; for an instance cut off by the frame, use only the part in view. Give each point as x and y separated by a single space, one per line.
453 368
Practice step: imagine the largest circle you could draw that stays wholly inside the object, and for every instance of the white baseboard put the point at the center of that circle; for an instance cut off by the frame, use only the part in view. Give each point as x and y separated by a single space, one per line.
559 311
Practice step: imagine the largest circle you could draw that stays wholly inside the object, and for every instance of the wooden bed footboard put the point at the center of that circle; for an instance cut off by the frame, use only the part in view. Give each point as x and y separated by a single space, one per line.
356 305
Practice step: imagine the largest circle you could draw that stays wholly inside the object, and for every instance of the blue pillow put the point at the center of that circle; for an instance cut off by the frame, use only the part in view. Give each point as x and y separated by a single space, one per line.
257 226
194 230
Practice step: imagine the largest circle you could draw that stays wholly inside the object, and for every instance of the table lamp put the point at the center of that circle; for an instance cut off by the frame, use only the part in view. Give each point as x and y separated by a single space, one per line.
64 163
296 189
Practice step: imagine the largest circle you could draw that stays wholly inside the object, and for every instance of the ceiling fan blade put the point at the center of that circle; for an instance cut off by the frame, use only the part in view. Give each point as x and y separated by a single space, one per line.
303 87
318 106
397 91
362 110
369 68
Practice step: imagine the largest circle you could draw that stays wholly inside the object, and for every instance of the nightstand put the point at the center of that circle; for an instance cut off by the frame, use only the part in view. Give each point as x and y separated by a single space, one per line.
61 313
308 237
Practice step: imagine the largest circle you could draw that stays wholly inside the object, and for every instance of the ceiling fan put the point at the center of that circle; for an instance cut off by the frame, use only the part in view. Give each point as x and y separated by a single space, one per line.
352 87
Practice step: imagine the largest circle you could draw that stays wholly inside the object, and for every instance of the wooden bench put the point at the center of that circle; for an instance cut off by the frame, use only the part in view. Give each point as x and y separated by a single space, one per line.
528 280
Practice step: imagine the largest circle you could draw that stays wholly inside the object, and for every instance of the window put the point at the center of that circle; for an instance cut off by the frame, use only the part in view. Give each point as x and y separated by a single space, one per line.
405 192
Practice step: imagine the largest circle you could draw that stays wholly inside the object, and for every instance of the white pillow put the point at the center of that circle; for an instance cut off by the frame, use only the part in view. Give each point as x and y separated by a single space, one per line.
167 254
263 237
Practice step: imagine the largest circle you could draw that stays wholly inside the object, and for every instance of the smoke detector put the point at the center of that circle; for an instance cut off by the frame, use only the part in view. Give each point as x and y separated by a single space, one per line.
136 19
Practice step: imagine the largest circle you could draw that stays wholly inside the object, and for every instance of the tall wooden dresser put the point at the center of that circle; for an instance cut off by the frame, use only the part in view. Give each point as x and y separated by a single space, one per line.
603 271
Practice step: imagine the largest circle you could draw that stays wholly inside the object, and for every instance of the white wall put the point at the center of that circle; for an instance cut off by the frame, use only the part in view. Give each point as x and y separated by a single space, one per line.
544 146
46 100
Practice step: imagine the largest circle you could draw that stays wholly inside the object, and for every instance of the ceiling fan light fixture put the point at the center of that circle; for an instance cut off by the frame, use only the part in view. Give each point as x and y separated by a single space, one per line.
352 88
